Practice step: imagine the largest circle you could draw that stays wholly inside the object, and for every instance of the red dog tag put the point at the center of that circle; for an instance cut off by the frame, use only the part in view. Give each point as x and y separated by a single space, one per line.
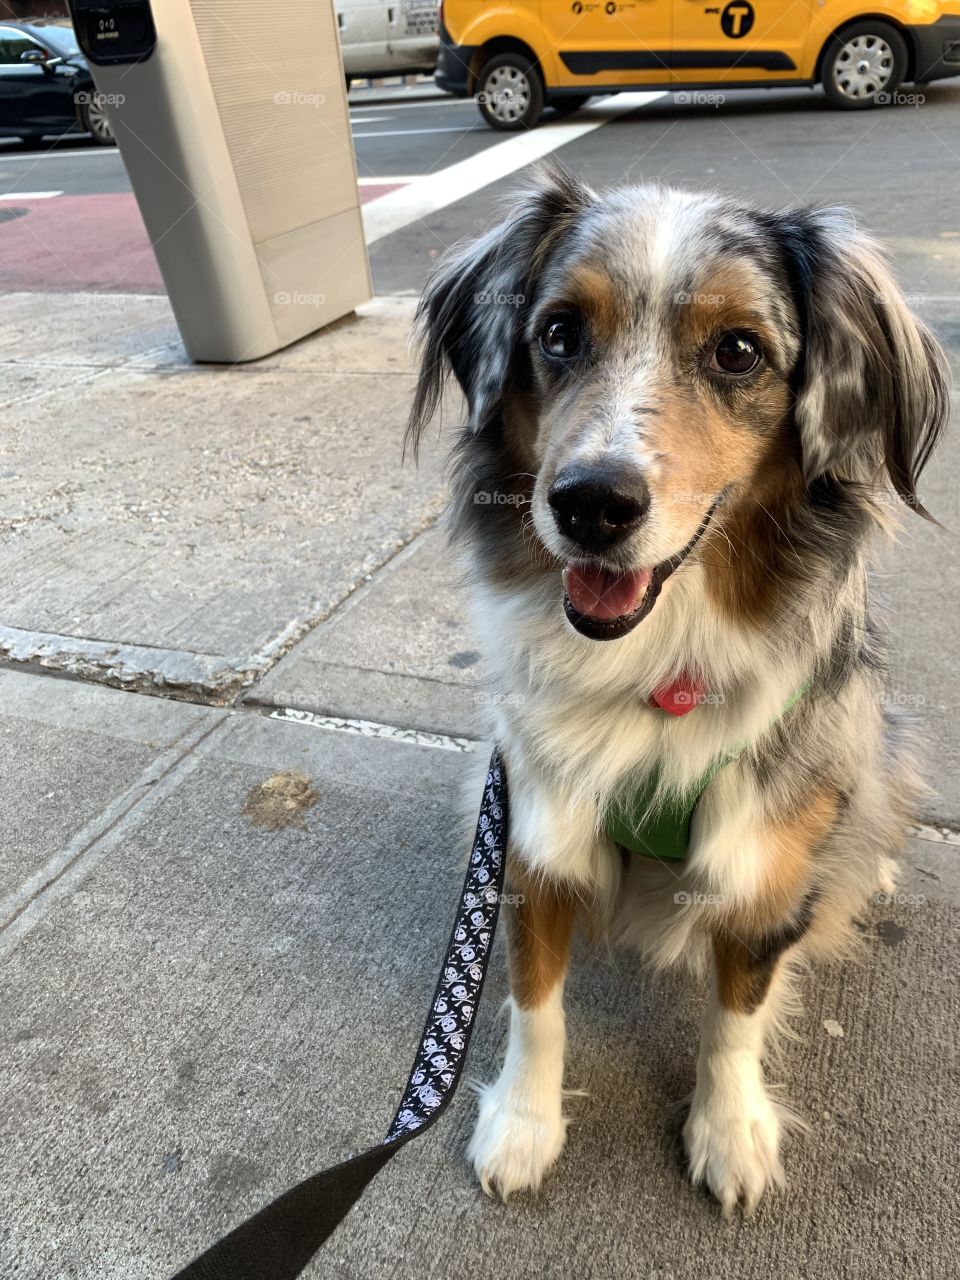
681 696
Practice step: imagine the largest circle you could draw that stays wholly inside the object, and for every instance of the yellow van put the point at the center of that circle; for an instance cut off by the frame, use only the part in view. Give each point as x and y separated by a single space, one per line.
518 56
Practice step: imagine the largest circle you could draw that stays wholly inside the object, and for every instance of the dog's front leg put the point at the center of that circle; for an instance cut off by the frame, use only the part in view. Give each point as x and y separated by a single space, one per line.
521 1127
732 1135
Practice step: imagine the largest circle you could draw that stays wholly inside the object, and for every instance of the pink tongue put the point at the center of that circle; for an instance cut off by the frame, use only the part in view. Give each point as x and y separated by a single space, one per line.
599 593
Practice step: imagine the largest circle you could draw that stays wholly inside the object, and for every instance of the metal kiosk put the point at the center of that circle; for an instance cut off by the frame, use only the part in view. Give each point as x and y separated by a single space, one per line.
238 146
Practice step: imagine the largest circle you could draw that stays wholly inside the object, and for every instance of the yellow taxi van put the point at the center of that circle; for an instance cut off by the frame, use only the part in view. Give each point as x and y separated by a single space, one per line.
519 56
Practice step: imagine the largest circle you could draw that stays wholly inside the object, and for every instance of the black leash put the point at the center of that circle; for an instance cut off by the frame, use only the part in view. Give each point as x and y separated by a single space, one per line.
279 1241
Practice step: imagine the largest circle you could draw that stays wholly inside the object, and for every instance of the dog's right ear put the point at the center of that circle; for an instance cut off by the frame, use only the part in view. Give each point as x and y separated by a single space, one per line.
470 320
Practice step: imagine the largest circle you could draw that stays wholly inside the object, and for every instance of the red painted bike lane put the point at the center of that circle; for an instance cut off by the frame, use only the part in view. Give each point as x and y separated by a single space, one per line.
93 242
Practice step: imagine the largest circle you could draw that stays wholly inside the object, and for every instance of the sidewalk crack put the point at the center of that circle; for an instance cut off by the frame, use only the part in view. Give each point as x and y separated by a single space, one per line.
65 870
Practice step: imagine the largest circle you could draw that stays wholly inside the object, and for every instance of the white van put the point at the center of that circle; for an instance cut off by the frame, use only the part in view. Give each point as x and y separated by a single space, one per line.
388 39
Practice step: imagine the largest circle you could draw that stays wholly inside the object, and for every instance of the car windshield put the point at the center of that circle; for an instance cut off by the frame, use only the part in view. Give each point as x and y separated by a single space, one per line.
60 39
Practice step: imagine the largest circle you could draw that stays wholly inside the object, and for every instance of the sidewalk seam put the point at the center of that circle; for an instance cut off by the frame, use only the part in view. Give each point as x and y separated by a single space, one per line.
372 729
201 679
62 873
398 675
935 833
929 830
267 657
97 371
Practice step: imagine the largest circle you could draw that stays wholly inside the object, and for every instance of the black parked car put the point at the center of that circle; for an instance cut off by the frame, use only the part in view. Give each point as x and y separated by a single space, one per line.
45 84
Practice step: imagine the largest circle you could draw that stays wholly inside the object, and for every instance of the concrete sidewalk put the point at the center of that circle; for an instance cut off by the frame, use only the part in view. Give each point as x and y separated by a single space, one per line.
232 846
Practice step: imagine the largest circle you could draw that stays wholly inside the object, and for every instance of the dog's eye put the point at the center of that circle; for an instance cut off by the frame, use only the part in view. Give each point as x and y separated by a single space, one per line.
735 353
560 338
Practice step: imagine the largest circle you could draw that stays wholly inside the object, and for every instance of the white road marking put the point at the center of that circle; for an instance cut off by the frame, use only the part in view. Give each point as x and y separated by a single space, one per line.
30 195
21 157
408 133
391 178
415 106
435 191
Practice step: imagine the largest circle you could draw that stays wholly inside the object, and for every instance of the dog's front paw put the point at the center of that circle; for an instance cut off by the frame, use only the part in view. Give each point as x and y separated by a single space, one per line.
732 1140
515 1140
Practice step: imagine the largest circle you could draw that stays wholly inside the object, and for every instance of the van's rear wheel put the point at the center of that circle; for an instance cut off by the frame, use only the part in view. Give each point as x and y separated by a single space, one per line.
510 92
864 66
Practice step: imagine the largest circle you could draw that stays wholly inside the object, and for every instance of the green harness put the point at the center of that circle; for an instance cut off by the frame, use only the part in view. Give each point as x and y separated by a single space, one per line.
661 828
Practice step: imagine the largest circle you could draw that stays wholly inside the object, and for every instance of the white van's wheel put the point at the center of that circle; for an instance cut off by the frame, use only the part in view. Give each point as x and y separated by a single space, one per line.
864 66
510 92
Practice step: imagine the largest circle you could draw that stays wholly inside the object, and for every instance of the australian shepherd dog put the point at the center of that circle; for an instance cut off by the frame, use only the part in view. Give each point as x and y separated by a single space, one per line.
686 419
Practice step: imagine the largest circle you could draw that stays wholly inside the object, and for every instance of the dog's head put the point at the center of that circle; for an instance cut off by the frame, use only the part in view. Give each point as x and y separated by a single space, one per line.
647 368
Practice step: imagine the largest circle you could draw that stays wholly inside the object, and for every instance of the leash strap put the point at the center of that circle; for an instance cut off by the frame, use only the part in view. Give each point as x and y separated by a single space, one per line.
279 1240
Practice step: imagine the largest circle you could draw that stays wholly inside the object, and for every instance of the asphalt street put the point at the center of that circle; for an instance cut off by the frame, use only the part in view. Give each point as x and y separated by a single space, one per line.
896 167
392 138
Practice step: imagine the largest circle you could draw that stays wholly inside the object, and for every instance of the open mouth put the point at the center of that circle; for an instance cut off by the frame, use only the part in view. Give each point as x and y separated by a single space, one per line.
603 604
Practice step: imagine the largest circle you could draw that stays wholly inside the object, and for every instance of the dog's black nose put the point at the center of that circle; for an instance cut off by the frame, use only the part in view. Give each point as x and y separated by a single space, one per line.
598 507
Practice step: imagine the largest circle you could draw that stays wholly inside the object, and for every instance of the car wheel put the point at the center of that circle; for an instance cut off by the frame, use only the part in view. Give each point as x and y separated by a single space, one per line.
864 65
568 104
510 92
94 118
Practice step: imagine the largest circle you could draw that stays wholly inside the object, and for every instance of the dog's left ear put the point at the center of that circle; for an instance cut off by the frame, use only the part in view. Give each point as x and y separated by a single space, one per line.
471 317
871 387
